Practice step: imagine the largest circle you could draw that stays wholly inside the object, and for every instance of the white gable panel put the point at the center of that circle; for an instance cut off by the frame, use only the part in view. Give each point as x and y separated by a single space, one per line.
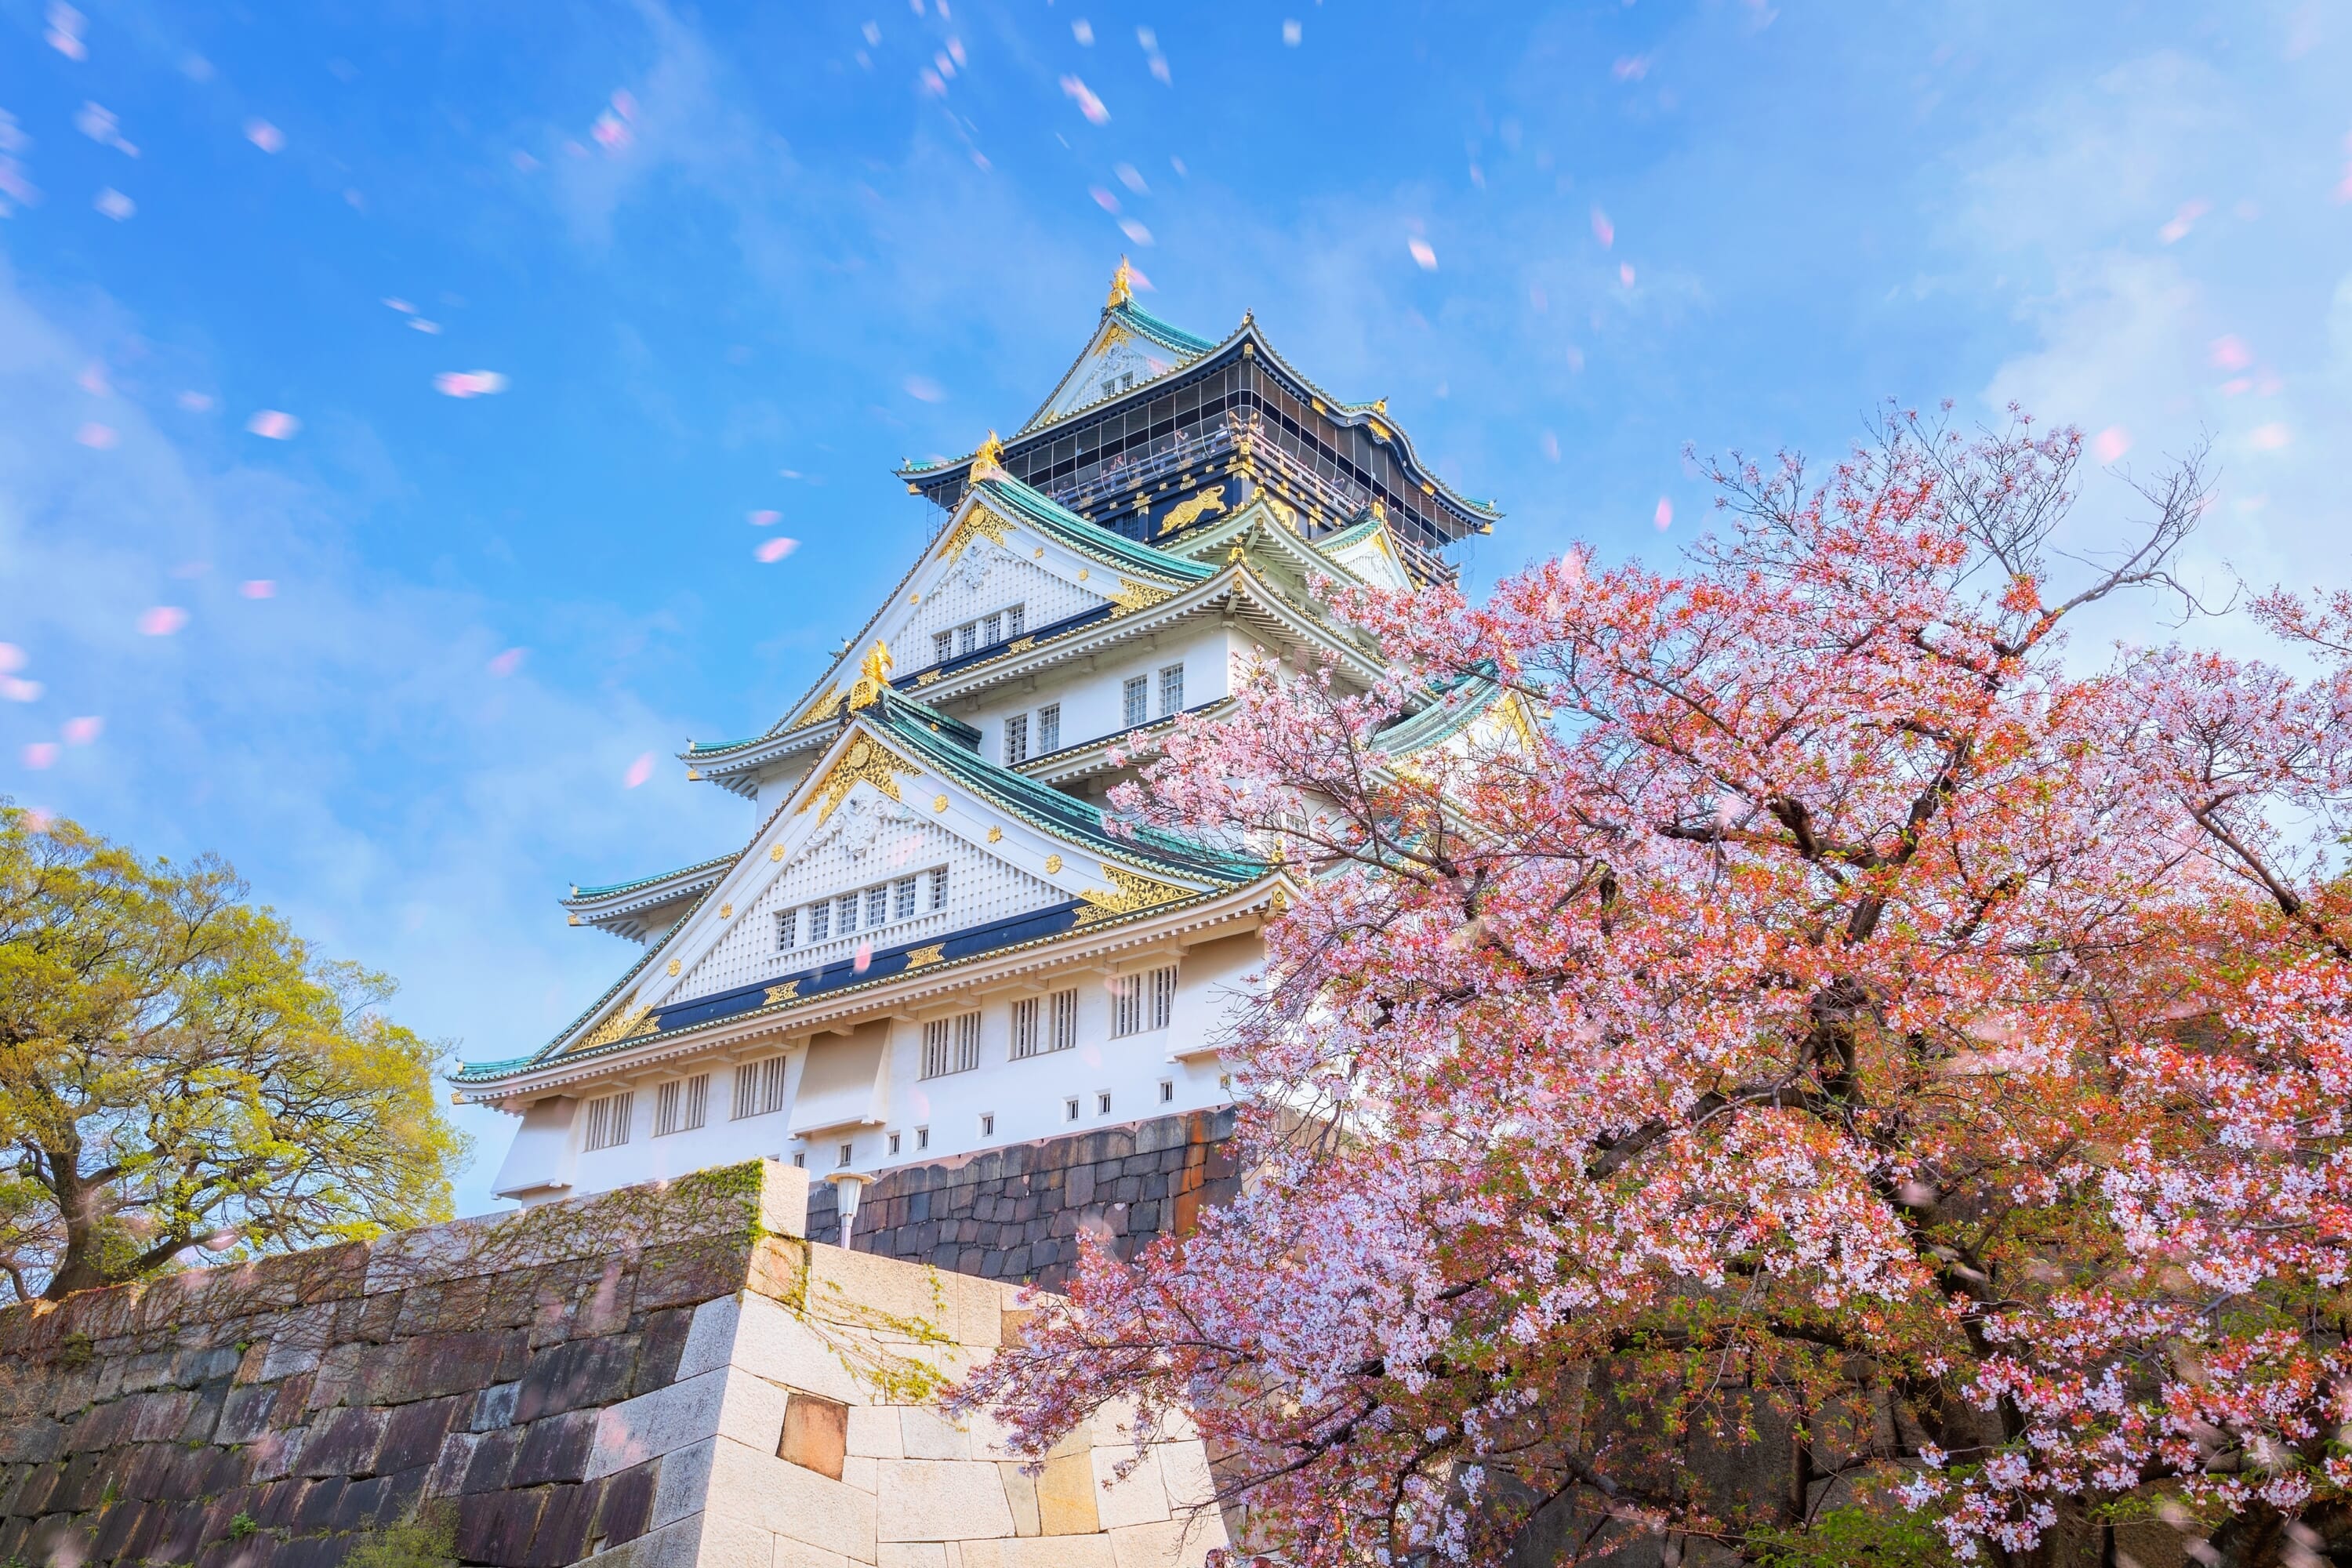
985 580
869 841
1118 362
1373 559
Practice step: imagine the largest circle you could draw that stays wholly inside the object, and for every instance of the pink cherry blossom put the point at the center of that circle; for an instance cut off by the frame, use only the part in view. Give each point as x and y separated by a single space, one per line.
766 517
774 550
1423 257
639 771
98 437
1664 516
81 731
2112 443
266 136
1088 104
1603 229
2231 353
505 664
162 621
258 588
40 754
1820 1001
468 383
274 425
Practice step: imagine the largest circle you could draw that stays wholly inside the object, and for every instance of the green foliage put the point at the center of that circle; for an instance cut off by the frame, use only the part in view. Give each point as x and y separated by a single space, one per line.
241 1526
1887 1537
429 1541
177 1067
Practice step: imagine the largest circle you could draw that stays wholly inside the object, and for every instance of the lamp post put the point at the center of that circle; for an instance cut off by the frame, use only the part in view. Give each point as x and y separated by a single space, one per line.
847 1187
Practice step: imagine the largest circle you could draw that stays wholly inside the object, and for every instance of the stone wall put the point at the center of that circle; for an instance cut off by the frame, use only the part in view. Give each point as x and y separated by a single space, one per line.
1015 1213
665 1375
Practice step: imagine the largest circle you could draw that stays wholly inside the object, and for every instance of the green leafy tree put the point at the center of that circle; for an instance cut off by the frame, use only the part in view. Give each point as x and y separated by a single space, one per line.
177 1069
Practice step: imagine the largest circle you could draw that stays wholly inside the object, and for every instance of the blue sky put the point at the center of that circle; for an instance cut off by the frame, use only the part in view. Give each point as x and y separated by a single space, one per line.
396 657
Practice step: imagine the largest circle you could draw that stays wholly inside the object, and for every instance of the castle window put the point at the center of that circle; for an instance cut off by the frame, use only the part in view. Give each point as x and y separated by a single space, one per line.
894 1142
1102 1103
846 1150
1016 739
759 1087
820 921
1167 1092
939 887
608 1121
942 647
1069 1111
950 1045
1013 620
967 637
788 925
902 904
1135 699
992 629
922 1139
681 1105
877 905
1172 690
1139 1003
1049 727
987 1124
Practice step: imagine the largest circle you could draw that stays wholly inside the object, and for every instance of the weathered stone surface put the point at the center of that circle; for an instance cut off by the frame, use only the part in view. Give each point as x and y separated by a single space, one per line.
588 1380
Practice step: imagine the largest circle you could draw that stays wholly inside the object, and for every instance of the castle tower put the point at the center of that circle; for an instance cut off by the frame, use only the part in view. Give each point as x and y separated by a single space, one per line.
930 977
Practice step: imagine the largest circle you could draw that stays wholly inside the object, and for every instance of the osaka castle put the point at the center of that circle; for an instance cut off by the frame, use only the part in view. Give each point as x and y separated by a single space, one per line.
931 973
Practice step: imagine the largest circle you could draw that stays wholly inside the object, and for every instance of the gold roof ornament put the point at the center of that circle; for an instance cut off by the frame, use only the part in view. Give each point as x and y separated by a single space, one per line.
873 675
989 458
1122 286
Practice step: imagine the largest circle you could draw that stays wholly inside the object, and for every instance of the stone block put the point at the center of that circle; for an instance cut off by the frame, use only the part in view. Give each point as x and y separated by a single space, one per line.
1172 1543
275 1453
455 1305
379 1500
682 1482
413 1436
247 1411
297 1341
776 1343
498 1527
674 1545
1066 1495
344 1443
625 1509
435 1364
316 1508
492 1461
449 1467
652 1424
603 1308
565 1518
843 1283
331 1379
315 1552
1052 1551
577 1372
31 1439
494 1407
731 1541
1184 1475
1021 1497
940 1500
911 1554
686 1272
926 1434
816 1434
873 1432
660 1348
762 1489
555 1448
709 1337
864 1474
1135 1497
791 1553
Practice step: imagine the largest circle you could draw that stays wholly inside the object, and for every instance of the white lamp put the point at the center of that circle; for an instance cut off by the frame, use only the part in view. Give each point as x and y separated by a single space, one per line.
847 1187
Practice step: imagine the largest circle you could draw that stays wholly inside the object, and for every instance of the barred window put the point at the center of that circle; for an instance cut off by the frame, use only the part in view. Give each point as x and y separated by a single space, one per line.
788 925
1042 1023
902 903
992 629
820 921
759 1087
939 887
950 1045
1172 690
1135 699
844 913
1016 739
1013 620
608 1121
877 905
942 647
967 637
1049 727
1142 1002
1062 1021
681 1104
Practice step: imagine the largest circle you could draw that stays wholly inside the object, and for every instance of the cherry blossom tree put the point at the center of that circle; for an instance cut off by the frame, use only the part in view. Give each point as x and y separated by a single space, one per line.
1850 1078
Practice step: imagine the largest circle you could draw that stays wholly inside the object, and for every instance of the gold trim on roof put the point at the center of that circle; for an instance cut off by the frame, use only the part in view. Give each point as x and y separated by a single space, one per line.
824 705
928 953
1186 513
1122 286
989 458
978 520
873 675
1134 595
865 760
1129 893
626 1021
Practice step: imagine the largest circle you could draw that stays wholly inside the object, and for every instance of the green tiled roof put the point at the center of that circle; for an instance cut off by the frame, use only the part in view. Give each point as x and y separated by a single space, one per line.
1113 548
608 889
1138 319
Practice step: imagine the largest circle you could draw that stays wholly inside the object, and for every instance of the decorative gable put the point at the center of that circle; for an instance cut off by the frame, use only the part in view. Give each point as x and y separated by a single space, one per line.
1117 362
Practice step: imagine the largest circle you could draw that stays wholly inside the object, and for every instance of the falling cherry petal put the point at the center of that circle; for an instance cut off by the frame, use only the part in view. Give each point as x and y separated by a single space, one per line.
12 658
274 425
96 436
639 771
258 588
2182 222
923 389
1088 104
113 203
2270 437
40 753
1664 516
162 621
774 550
2231 353
16 688
765 518
864 959
1135 232
505 664
1625 273
1603 229
196 401
2111 443
468 383
83 730
1423 257
264 135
